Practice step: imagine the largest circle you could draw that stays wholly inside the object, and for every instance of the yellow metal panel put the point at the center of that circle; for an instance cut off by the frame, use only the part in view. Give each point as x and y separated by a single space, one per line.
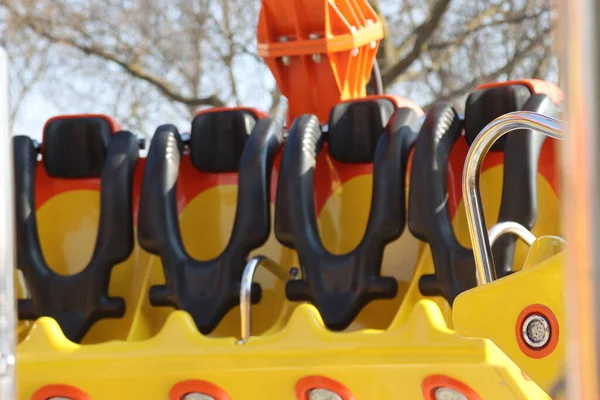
492 311
373 364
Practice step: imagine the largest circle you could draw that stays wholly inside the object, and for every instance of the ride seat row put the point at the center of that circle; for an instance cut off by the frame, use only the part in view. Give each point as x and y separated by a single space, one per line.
381 130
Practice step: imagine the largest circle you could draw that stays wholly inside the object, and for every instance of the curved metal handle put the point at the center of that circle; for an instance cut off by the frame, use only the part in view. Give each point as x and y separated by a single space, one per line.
246 288
513 228
484 263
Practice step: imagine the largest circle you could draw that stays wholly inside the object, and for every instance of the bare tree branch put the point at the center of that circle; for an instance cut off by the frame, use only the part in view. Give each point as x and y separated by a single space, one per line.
517 57
148 60
422 35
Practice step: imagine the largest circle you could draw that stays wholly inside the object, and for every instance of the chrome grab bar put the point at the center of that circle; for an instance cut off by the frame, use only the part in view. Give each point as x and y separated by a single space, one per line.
484 262
513 228
246 289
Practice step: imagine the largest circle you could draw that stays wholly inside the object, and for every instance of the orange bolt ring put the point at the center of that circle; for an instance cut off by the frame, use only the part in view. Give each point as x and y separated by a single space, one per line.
306 384
433 382
190 386
71 392
546 313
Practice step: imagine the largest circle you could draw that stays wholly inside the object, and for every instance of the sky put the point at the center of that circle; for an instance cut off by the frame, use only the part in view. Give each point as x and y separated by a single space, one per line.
37 107
41 110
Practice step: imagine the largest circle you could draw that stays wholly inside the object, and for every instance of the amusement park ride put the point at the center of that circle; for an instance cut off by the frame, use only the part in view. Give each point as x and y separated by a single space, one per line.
365 250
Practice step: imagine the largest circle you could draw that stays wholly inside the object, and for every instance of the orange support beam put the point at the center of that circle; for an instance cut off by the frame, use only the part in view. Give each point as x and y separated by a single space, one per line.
320 52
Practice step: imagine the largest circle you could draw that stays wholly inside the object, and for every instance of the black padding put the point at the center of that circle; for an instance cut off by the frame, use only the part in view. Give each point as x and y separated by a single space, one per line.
205 289
355 128
217 139
519 193
485 105
428 211
76 147
77 301
340 286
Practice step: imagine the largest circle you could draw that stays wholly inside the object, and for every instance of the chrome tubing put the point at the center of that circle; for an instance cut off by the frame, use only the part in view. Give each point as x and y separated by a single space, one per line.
246 289
7 243
484 262
512 228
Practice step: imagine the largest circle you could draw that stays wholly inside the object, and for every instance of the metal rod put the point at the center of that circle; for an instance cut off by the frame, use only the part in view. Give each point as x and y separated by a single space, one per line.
484 262
580 193
7 243
513 228
246 289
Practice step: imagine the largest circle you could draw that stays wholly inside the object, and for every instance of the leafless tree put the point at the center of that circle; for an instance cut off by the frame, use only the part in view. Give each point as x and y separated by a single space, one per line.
151 61
441 50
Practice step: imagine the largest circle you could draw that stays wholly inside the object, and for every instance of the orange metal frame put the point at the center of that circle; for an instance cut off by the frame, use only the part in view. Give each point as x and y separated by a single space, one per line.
320 52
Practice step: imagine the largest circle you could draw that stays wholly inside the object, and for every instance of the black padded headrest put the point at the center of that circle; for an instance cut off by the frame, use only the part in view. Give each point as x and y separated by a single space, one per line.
218 138
75 147
355 128
485 105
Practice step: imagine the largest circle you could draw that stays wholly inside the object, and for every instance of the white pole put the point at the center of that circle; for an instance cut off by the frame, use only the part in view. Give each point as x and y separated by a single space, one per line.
7 243
581 193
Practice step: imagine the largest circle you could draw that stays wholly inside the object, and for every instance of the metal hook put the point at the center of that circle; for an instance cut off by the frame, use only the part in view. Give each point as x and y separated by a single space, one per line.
513 228
246 289
484 263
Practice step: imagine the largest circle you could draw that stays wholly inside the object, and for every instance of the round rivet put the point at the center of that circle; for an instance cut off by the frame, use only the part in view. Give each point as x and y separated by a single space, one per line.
536 331
197 396
295 273
323 394
443 393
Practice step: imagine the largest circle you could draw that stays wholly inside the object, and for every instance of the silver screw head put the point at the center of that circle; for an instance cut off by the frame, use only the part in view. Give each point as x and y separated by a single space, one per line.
443 393
536 331
323 394
197 396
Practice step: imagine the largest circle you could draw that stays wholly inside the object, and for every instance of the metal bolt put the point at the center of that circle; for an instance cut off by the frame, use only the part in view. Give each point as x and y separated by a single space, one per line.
197 396
315 57
354 52
536 331
295 273
443 393
285 59
373 44
323 394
